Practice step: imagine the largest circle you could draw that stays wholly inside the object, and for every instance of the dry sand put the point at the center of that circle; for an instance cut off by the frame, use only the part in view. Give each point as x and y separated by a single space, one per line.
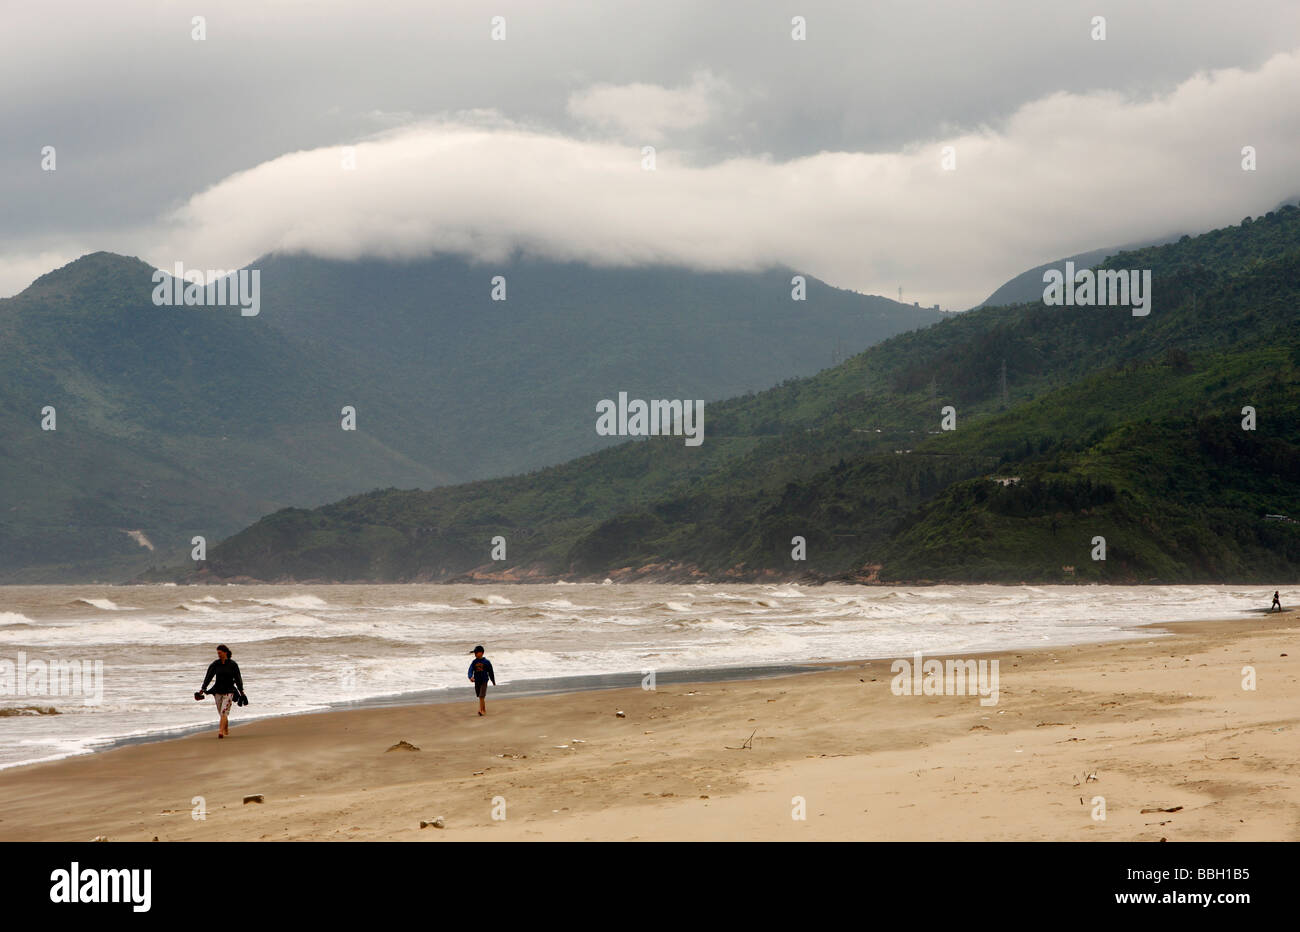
1161 723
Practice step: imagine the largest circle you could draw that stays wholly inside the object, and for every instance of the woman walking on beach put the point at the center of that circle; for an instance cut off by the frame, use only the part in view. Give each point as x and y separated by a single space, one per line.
228 686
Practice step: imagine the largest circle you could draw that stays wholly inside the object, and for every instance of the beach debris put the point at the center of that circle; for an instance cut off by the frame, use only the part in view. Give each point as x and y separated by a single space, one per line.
619 713
155 838
1043 724
1158 809
980 728
433 823
50 710
561 747
99 838
254 798
747 745
576 741
403 746
478 773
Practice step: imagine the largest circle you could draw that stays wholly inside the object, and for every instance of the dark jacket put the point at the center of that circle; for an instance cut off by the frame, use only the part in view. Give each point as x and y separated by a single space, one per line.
481 671
227 678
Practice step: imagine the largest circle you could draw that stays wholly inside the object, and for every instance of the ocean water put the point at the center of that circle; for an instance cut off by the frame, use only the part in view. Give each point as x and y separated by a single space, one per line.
304 648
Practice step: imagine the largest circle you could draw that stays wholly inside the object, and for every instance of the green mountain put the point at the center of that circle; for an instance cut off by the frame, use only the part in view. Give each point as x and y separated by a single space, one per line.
515 382
1028 285
173 422
1110 425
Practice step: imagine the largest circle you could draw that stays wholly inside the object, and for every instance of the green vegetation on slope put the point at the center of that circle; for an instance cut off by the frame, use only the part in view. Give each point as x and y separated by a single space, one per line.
183 421
1117 426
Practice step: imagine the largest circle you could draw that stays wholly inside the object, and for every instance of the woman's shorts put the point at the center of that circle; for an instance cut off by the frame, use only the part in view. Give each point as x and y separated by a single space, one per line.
224 702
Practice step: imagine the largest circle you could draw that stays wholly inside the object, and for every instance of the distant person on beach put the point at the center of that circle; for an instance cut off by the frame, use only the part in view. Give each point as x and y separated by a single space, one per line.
1277 603
480 671
227 687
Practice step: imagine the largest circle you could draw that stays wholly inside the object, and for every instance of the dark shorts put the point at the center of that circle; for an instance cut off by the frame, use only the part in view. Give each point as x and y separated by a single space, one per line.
480 689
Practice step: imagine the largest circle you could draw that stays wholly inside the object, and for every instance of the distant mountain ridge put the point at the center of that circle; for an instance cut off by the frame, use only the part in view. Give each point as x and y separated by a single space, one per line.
1106 430
1027 287
182 421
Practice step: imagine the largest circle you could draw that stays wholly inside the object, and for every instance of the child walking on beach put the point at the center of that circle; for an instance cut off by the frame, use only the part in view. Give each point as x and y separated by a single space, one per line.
480 671
228 687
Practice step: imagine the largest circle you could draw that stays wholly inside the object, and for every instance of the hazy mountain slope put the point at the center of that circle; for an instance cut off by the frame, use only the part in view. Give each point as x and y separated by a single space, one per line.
179 421
1027 287
853 460
173 421
516 381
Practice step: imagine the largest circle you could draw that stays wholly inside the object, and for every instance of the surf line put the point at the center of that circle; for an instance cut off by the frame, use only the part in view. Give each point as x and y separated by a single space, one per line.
638 418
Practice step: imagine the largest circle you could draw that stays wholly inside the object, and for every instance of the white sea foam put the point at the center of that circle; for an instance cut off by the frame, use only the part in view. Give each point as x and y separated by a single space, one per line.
107 605
490 600
82 634
390 640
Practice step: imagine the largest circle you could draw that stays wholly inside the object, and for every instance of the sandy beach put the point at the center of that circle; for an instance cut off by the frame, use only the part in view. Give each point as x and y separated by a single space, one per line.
1159 724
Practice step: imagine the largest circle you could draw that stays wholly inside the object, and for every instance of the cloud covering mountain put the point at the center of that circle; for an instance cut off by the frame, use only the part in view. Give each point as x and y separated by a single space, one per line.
824 155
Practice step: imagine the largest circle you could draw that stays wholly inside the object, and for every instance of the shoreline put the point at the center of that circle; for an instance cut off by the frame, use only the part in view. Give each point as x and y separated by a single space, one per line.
548 686
520 689
655 575
1161 723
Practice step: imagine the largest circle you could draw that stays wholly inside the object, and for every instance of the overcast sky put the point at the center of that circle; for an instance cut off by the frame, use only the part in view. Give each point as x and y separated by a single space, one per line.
823 154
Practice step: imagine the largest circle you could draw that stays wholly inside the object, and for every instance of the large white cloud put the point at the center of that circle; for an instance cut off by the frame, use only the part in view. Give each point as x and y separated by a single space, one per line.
1062 174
